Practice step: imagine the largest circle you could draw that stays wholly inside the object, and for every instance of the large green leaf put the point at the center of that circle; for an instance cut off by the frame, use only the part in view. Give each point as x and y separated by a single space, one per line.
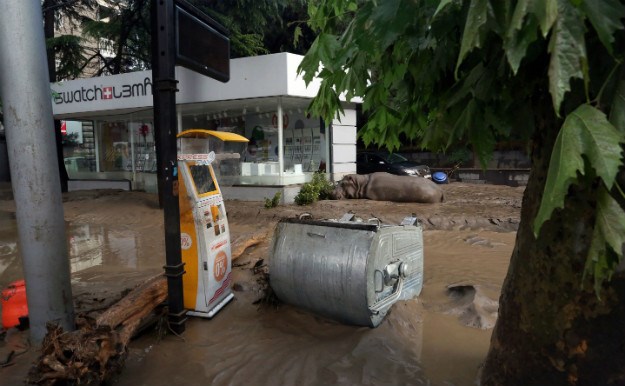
605 16
609 231
518 37
323 49
441 5
476 18
547 12
568 52
617 111
585 132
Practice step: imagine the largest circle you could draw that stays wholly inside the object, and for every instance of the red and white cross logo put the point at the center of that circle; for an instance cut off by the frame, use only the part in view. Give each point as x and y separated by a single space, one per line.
107 92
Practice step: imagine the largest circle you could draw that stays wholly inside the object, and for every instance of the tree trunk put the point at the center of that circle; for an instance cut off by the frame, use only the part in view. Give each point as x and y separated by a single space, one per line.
137 304
552 328
97 349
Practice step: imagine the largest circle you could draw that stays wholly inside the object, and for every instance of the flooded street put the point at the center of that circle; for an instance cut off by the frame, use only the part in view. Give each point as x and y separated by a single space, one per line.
115 241
421 342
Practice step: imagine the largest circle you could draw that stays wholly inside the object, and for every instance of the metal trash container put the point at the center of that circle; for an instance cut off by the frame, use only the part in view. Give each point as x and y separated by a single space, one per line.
347 271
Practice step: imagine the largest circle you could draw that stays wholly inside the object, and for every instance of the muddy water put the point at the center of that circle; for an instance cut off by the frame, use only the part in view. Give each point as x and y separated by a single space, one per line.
440 338
423 341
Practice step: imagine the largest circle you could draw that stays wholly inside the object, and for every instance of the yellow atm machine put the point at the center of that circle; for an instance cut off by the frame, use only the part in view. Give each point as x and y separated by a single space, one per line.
204 232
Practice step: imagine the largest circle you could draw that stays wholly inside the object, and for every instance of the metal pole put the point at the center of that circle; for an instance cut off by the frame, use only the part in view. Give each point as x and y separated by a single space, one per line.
27 106
165 130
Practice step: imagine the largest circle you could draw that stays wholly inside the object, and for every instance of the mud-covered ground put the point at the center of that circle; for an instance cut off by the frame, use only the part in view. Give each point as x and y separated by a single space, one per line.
115 241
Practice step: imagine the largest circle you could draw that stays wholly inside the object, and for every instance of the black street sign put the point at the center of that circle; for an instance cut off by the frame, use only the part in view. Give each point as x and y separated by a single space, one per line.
202 44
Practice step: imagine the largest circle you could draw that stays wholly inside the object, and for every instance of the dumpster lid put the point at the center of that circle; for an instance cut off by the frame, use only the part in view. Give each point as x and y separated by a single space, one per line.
203 133
332 224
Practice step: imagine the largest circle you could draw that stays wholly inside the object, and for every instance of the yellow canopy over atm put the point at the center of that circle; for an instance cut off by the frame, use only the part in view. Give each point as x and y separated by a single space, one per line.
203 133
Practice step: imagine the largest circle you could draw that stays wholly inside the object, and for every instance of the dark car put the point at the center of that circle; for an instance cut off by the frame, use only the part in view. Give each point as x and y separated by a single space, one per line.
371 162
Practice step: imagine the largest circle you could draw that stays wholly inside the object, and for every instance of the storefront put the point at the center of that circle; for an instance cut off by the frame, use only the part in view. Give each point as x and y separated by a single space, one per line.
110 136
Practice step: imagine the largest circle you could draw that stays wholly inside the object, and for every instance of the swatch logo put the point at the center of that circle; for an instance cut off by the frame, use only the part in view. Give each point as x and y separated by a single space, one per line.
107 93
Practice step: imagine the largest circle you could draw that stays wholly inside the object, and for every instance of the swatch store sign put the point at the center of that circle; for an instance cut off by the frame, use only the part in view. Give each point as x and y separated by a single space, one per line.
120 94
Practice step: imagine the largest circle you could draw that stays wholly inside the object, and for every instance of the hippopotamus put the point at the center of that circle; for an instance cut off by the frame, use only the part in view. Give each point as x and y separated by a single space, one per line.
388 187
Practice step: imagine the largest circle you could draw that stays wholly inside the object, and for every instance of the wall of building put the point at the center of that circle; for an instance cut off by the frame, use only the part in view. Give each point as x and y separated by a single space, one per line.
343 146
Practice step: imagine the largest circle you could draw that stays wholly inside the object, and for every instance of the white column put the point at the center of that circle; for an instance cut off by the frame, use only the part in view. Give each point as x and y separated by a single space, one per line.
280 139
96 143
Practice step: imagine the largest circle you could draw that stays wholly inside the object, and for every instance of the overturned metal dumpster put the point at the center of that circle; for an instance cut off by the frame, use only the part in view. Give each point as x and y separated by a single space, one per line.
348 271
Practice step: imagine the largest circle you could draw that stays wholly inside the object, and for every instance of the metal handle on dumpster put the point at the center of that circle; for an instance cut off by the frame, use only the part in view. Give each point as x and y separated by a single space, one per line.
375 220
389 300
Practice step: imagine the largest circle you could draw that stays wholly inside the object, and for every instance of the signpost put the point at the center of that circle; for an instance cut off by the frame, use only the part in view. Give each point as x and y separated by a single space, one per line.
183 35
202 45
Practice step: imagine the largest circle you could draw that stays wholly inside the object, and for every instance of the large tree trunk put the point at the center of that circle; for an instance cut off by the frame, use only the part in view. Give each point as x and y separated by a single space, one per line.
552 328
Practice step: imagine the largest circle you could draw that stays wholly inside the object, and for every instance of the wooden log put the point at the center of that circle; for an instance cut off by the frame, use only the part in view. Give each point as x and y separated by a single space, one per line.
141 300
242 243
95 351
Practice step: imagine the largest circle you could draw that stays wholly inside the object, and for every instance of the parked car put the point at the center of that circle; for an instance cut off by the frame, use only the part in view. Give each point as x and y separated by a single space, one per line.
371 162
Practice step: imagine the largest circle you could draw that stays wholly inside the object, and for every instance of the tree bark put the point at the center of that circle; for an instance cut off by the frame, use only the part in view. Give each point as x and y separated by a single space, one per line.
138 303
91 354
552 327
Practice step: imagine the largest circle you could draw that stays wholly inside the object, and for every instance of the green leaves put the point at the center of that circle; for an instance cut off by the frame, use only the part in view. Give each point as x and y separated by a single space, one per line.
520 34
568 52
476 18
423 82
607 239
546 11
586 133
605 16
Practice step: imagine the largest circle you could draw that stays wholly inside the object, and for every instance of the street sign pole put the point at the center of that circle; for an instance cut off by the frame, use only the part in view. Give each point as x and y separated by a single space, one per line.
165 121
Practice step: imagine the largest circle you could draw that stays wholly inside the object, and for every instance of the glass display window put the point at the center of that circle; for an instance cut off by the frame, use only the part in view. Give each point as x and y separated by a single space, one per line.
143 146
114 149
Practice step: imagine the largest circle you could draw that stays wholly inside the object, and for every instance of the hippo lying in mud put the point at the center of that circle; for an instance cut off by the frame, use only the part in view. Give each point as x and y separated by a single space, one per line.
388 187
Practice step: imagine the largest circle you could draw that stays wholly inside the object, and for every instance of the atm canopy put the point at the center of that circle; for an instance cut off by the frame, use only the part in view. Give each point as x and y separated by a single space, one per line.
203 133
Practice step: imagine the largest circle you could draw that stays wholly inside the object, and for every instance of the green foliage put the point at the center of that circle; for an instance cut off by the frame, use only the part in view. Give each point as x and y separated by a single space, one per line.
459 156
447 72
586 134
307 195
317 189
124 30
607 239
588 140
273 202
70 52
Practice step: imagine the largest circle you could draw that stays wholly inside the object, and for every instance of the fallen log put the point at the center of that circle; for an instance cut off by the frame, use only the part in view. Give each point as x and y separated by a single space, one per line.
97 349
242 243
147 295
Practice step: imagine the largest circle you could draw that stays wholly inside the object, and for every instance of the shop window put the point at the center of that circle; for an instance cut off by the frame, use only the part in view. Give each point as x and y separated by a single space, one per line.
78 147
127 146
115 147
303 143
144 146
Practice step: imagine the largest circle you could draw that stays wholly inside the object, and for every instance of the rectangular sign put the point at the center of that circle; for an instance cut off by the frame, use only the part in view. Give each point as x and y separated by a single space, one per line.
202 44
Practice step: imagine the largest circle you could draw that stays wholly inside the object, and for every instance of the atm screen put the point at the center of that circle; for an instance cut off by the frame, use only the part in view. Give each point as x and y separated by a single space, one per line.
202 179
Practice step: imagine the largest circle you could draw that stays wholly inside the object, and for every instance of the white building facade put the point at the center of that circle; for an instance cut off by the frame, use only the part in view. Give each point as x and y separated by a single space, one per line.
110 137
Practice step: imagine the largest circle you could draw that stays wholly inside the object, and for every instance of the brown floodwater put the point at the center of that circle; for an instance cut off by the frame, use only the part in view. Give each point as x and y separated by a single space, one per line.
439 338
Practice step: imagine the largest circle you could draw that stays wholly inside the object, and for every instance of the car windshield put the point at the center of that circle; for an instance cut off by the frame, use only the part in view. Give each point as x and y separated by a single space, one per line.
394 158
